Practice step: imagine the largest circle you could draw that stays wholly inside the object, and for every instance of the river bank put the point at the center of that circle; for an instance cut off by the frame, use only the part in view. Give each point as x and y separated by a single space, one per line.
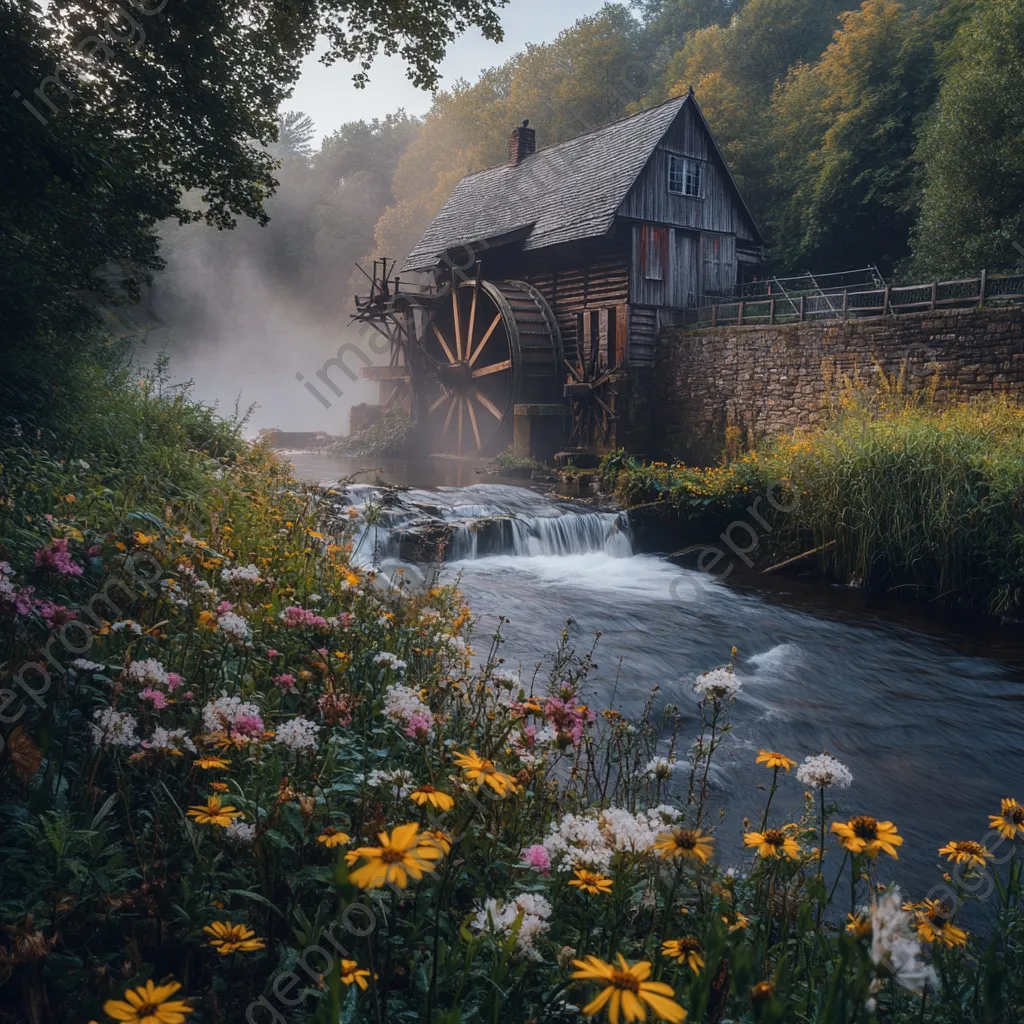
896 495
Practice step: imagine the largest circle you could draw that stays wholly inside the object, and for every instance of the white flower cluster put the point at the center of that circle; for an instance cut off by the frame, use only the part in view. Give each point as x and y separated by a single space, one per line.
114 728
824 770
169 742
240 575
501 918
219 715
7 591
84 665
390 660
129 624
298 734
591 840
400 781
661 767
147 672
402 704
894 946
240 834
532 744
718 684
234 627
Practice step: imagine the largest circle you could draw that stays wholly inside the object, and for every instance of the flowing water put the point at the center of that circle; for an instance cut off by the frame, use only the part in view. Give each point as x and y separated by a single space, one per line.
930 722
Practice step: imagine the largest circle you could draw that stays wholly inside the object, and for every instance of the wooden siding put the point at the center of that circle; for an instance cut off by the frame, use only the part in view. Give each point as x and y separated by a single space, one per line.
643 332
718 264
719 210
676 282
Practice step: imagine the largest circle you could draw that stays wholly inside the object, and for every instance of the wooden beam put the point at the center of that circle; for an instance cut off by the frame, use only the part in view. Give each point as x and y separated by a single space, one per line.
458 324
486 338
472 420
493 368
487 404
444 345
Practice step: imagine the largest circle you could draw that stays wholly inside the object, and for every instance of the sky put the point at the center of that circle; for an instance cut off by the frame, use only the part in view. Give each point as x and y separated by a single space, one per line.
328 96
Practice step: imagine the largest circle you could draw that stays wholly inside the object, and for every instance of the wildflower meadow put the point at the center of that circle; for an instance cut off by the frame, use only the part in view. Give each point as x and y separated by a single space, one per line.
244 779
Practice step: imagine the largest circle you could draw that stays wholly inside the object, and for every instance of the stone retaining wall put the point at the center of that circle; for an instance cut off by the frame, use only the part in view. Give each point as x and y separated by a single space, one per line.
769 380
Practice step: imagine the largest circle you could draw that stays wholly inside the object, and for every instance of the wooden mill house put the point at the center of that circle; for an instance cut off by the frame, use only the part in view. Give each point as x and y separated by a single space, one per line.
611 236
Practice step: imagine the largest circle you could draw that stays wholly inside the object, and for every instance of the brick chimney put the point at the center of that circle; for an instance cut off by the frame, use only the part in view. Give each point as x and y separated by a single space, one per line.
521 144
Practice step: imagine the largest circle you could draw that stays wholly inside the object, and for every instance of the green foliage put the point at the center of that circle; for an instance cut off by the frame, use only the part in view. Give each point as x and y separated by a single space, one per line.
920 500
973 150
393 434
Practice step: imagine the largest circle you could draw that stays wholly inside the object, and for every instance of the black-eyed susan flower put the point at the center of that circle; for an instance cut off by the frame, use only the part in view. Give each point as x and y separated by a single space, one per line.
627 992
590 882
691 843
933 924
353 974
149 1004
331 837
967 852
485 773
406 853
868 836
684 951
213 812
774 842
219 787
737 923
859 925
437 799
1010 820
215 763
441 839
226 938
773 759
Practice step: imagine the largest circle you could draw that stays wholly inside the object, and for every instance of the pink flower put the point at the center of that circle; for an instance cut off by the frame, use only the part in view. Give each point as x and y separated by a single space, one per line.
156 696
322 651
418 725
173 680
296 617
94 551
247 725
55 556
188 695
344 619
271 653
23 602
286 681
537 858
224 606
54 614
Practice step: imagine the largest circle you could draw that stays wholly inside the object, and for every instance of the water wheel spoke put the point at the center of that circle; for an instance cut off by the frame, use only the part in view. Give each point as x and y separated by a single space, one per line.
458 325
437 405
472 316
486 338
444 345
460 401
473 423
573 370
487 404
493 368
448 418
607 408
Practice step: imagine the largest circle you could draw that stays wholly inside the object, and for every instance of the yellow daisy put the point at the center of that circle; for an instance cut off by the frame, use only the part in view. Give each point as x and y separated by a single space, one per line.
627 991
213 762
931 919
858 925
967 852
691 843
774 842
483 772
405 853
437 799
868 836
773 759
149 1004
352 973
684 951
233 938
1010 820
331 838
213 812
590 882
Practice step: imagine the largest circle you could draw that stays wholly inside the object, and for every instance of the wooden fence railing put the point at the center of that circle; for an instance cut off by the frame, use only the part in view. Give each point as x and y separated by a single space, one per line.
857 304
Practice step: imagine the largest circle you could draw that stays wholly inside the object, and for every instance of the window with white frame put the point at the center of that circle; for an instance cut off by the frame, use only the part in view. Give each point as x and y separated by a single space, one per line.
686 176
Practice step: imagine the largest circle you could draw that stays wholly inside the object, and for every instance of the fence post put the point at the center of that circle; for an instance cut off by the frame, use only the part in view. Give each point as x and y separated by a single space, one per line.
984 284
846 302
885 303
740 318
771 311
714 311
803 307
935 294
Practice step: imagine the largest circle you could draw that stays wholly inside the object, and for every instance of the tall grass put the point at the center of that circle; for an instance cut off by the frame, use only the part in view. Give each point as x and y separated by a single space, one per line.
904 494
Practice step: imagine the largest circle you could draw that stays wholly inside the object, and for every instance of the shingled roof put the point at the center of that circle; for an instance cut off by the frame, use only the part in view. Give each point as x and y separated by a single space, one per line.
560 194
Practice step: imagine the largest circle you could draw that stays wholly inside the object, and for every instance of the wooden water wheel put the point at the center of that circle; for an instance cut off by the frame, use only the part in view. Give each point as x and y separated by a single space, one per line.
487 348
593 392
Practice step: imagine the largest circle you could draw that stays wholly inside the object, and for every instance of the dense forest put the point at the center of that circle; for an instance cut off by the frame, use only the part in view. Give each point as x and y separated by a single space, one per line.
887 134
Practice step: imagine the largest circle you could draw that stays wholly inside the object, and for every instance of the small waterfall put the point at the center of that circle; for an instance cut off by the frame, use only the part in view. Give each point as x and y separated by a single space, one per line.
470 523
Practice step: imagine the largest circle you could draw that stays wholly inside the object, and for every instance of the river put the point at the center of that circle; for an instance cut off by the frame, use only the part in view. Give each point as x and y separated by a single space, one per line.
928 717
